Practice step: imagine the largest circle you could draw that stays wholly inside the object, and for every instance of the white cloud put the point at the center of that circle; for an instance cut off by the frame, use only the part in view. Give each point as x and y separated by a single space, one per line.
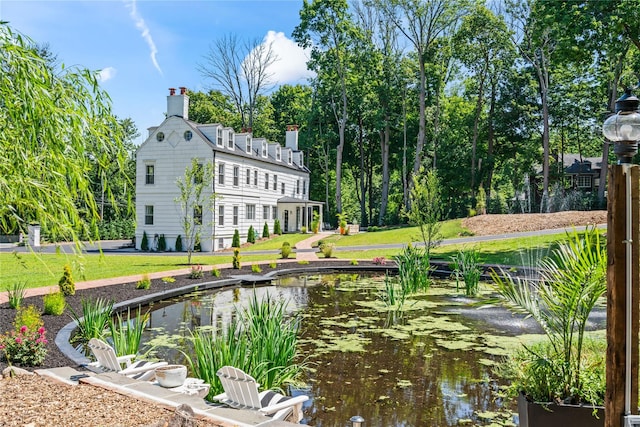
106 74
291 65
144 30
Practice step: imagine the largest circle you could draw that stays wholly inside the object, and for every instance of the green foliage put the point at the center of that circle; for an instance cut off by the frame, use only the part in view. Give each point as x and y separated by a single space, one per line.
215 272
353 262
29 317
342 223
196 272
426 207
315 223
24 346
235 243
66 283
573 279
162 243
251 235
303 262
466 265
285 250
303 230
168 280
54 303
413 269
144 244
261 341
93 320
327 249
265 231
273 265
144 283
276 227
15 294
481 201
255 268
236 259
178 245
57 126
126 333
118 228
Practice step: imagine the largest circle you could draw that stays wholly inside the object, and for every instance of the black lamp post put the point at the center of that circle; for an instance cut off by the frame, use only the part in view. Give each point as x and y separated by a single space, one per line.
623 266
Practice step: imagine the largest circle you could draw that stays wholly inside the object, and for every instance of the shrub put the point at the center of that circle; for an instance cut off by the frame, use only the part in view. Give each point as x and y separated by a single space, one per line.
144 283
303 262
265 231
215 272
235 243
303 230
53 303
168 280
327 249
315 223
251 235
273 265
342 223
162 243
276 227
373 228
196 272
353 262
66 283
255 268
179 243
285 250
15 294
144 245
28 317
379 260
236 259
26 347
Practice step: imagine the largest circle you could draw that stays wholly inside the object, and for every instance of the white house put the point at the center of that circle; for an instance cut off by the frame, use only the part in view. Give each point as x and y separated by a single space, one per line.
255 181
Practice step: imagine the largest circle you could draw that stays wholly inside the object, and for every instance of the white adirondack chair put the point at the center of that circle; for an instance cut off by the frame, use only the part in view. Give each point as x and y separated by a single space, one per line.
241 392
108 361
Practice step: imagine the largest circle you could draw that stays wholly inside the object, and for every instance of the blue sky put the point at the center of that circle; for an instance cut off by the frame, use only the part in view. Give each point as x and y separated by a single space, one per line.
144 47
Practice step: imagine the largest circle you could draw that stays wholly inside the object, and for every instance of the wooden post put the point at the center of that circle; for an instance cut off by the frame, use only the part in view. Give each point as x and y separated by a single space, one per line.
617 200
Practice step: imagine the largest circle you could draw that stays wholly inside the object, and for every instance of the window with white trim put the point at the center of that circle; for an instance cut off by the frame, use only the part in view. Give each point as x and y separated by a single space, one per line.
221 215
150 172
230 140
264 149
197 215
274 214
251 211
219 137
255 177
304 188
235 215
248 176
221 174
236 176
290 159
148 215
265 212
298 187
584 181
248 145
266 181
278 153
282 185
275 182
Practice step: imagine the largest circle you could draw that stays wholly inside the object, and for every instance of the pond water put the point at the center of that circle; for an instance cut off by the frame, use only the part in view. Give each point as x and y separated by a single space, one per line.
431 365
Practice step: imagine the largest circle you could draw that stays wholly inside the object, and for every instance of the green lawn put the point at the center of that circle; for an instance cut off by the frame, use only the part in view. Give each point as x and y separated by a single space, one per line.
276 242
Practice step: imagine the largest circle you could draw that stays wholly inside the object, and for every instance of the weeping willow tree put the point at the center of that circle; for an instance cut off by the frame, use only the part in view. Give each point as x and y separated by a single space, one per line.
56 126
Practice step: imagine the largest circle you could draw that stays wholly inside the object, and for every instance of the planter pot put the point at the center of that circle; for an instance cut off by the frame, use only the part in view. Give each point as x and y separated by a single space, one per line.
535 414
171 375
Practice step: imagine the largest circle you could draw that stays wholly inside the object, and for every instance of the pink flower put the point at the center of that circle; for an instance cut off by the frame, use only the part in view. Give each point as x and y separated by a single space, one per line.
18 340
41 330
23 329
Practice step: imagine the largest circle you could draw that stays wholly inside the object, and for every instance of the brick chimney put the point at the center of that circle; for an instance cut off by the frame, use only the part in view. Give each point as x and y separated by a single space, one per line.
291 139
178 105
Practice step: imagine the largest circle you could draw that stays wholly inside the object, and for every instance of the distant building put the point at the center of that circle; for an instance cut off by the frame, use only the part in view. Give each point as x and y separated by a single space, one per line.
255 181
582 173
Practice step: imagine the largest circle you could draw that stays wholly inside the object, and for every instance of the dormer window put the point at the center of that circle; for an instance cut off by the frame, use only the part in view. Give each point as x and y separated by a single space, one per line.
248 146
230 140
278 153
264 149
301 157
290 159
219 142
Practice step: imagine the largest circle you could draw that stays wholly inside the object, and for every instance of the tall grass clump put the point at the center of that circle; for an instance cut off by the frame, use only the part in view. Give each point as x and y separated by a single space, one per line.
413 269
126 333
261 341
393 296
466 266
93 320
15 293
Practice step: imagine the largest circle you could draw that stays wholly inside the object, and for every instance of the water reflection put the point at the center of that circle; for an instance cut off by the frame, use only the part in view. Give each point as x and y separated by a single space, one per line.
428 366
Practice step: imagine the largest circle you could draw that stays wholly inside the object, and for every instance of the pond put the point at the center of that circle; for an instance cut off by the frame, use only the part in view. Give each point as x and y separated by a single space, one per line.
431 365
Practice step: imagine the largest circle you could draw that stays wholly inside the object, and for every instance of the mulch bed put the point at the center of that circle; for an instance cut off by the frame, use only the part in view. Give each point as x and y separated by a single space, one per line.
124 292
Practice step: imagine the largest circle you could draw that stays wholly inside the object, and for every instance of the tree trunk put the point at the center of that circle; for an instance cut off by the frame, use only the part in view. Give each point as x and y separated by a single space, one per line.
363 188
490 141
474 141
384 150
417 160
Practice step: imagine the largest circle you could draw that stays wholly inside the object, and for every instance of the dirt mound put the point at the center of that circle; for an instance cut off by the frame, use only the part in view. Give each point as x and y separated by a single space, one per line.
484 225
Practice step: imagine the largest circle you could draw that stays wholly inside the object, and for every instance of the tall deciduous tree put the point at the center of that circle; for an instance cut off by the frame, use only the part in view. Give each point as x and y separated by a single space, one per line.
240 69
54 123
426 207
